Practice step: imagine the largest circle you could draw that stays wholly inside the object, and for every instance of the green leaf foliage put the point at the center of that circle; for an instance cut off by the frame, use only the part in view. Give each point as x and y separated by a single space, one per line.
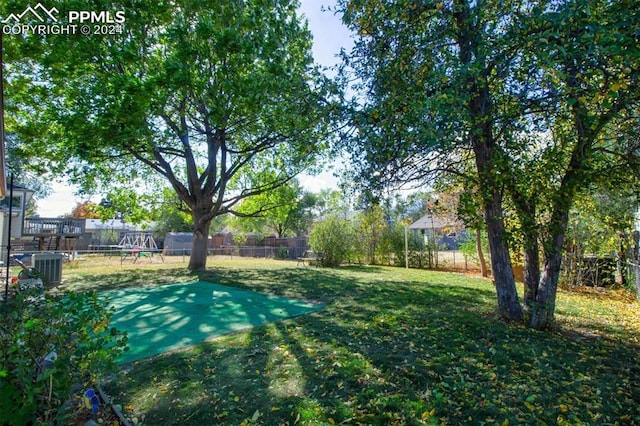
536 96
333 236
200 94
284 211
50 345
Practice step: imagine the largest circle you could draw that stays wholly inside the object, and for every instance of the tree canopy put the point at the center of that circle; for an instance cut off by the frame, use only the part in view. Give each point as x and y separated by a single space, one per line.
518 99
284 211
208 96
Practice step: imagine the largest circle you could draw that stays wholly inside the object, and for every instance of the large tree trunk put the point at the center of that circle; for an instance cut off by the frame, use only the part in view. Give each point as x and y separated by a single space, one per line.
508 303
531 271
487 164
543 308
544 304
487 161
482 120
198 259
527 213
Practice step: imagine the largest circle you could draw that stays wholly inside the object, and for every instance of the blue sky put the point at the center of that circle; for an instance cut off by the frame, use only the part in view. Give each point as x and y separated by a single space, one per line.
329 36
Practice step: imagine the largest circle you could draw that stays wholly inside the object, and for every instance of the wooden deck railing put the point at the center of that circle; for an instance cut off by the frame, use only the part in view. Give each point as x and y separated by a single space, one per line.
52 227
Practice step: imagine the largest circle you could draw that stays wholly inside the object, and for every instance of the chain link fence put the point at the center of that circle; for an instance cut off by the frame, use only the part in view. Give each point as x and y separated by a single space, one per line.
633 274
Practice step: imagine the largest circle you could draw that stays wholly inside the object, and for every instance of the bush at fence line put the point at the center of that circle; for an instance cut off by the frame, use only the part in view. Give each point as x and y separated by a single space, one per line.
369 231
283 253
391 243
49 345
334 237
240 239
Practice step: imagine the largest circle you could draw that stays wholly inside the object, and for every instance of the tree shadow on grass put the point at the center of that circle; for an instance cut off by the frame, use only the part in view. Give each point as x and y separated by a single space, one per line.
384 350
328 285
122 279
363 268
305 369
409 361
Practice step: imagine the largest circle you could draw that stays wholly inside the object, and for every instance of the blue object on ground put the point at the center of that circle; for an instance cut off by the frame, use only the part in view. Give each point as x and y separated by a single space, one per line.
167 317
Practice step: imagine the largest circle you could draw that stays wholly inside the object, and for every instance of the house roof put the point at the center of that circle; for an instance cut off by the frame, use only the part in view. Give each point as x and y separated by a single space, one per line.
95 224
17 192
19 188
431 222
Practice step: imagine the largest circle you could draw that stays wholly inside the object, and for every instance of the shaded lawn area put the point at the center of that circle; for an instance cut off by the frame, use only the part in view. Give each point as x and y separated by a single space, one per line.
391 346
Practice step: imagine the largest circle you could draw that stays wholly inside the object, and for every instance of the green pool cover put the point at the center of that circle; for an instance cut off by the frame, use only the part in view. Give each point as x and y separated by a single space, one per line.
162 318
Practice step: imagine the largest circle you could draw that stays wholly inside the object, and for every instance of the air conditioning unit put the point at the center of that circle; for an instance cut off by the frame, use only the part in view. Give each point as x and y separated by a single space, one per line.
49 265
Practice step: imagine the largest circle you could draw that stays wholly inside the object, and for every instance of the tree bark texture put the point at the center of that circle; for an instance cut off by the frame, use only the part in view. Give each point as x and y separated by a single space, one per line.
531 273
481 134
508 303
198 259
544 305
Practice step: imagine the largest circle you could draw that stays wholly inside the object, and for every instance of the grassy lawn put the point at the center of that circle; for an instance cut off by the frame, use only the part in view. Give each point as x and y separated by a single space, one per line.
392 346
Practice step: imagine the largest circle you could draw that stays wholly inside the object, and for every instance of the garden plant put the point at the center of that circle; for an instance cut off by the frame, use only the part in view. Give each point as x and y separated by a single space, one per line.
52 345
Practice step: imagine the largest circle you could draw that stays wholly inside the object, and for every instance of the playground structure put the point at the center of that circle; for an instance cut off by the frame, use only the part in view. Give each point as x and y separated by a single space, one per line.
141 240
138 244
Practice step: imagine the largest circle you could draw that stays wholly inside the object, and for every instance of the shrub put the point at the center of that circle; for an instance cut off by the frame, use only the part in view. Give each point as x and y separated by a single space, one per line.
334 237
391 245
49 345
283 253
370 226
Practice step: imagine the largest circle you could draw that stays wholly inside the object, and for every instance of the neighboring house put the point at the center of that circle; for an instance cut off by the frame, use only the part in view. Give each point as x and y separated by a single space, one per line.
108 231
21 197
54 234
444 230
